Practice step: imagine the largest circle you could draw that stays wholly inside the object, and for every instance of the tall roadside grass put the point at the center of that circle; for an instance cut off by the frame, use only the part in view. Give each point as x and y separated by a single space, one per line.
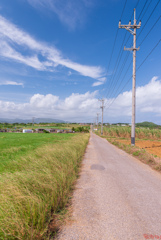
39 189
125 132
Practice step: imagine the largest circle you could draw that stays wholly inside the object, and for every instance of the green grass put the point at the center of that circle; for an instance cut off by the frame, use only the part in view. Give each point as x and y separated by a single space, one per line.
136 153
39 187
15 145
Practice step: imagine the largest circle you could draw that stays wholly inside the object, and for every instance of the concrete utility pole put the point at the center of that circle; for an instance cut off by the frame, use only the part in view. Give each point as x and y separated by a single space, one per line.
102 100
97 120
33 121
134 49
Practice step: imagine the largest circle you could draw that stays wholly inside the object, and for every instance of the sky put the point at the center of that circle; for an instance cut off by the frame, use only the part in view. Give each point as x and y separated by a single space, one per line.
59 57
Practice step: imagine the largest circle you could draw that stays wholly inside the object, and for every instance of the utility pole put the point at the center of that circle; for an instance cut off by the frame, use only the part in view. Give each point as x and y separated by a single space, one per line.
33 121
102 100
97 120
134 49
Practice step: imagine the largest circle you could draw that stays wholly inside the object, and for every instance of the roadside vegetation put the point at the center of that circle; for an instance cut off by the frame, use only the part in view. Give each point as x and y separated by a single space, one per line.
125 132
20 126
139 153
81 129
37 173
148 142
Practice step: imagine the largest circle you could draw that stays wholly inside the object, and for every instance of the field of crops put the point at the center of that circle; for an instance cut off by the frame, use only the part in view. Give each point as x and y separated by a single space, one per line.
37 172
125 132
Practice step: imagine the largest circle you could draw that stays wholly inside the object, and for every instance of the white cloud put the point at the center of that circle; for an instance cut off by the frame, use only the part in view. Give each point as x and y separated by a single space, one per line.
79 101
83 107
100 82
95 84
12 39
10 53
41 101
148 100
71 13
8 82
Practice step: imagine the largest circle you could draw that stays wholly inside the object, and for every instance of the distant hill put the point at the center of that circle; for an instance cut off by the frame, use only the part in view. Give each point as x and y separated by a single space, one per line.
147 124
36 120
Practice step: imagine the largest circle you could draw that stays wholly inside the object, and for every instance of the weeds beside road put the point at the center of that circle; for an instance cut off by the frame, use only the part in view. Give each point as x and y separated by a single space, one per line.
39 188
120 137
139 153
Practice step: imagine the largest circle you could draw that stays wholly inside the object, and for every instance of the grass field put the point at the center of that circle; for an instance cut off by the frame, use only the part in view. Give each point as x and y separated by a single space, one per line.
37 172
15 145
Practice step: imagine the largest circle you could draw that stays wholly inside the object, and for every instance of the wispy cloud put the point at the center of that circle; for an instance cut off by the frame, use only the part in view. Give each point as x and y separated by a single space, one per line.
8 82
99 82
71 12
13 39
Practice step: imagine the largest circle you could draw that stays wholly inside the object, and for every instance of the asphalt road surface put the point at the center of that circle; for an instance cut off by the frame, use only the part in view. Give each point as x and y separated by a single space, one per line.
116 197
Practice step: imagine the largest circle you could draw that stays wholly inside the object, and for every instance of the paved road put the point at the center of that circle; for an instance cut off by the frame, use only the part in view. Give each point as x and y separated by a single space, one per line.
117 197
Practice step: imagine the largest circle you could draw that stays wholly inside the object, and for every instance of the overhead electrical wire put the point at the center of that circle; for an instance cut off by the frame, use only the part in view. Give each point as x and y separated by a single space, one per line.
148 18
116 67
139 34
115 93
114 42
150 30
138 17
146 9
143 8
120 72
148 55
116 72
136 71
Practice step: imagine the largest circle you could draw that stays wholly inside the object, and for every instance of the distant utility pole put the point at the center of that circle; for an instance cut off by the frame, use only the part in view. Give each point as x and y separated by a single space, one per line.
97 120
102 100
33 121
134 49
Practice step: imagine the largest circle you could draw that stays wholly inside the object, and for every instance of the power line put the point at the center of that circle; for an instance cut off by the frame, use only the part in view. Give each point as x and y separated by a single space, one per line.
120 84
146 9
116 35
136 71
139 45
143 8
150 30
149 54
112 83
120 72
114 42
149 18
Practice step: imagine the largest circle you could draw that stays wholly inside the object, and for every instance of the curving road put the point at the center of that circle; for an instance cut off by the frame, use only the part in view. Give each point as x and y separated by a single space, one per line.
116 197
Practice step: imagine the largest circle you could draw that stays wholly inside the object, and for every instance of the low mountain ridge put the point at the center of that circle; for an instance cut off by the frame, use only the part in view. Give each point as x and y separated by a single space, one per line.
36 120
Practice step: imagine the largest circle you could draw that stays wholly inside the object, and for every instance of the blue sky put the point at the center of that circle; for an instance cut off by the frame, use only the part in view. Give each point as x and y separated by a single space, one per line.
57 57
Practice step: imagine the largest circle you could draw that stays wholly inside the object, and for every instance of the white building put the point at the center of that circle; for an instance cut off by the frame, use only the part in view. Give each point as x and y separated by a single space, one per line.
27 131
